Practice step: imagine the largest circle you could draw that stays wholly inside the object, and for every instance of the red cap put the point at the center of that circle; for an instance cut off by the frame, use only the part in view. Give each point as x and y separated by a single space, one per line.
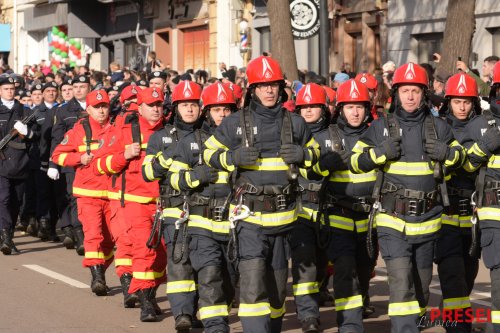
97 97
149 96
369 80
237 91
128 92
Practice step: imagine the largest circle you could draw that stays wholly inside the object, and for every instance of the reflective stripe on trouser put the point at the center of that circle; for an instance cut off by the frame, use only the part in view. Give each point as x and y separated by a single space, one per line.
263 269
98 243
490 245
308 269
120 228
181 285
409 271
216 280
148 265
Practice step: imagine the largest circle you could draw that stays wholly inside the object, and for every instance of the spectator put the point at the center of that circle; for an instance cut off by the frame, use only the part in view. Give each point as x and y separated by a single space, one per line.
339 79
153 63
484 81
116 73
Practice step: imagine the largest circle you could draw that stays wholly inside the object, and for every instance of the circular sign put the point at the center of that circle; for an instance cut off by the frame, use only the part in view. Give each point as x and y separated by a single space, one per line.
305 18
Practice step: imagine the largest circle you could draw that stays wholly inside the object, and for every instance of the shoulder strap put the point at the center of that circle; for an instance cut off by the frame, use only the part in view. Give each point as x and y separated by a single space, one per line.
335 139
430 127
392 125
133 119
286 128
88 133
246 125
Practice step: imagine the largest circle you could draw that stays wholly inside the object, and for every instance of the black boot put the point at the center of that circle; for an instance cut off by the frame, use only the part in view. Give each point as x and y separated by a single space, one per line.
183 323
128 299
6 244
22 224
98 283
148 313
32 228
69 237
79 241
43 229
310 325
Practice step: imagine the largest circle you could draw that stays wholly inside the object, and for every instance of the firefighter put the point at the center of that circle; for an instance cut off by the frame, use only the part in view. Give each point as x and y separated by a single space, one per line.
456 268
65 118
124 156
128 100
348 198
372 84
181 286
265 144
308 255
78 148
207 193
410 148
483 143
14 160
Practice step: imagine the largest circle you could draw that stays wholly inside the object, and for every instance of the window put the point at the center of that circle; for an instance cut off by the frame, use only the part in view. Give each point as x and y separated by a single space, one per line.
427 45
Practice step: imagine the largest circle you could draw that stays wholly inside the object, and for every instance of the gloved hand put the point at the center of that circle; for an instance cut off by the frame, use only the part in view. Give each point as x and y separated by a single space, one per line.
490 141
205 174
436 150
335 160
245 156
53 173
292 154
390 147
21 128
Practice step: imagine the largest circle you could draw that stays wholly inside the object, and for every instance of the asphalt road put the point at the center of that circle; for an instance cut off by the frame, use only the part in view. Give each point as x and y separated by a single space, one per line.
46 289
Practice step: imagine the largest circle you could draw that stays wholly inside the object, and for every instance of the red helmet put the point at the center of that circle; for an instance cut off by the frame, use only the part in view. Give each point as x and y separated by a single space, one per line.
311 94
217 94
186 91
264 69
461 85
410 73
369 80
237 91
496 73
352 91
330 93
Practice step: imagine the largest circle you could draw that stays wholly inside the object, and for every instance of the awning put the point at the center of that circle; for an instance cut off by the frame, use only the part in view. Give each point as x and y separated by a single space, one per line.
4 37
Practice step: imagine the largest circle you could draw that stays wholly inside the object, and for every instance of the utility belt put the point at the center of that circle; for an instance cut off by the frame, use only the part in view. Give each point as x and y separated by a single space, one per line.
268 198
310 193
212 209
404 201
460 202
170 197
491 193
357 204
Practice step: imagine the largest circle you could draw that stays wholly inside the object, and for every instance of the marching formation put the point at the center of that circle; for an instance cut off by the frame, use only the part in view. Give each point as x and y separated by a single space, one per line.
212 189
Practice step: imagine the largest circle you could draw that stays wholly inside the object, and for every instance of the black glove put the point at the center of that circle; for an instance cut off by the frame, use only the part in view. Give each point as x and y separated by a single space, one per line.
390 147
205 174
292 154
436 150
245 156
335 160
490 141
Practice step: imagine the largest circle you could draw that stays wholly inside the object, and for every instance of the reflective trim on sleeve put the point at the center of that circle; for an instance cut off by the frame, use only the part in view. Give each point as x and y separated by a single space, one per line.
494 162
62 159
108 164
178 166
101 171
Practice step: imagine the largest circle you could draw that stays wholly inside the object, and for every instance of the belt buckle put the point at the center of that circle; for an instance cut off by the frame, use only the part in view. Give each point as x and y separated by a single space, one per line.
463 207
281 201
414 194
218 213
412 207
249 188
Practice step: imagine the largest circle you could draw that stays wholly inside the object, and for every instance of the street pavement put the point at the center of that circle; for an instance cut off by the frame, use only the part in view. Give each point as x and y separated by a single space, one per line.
46 289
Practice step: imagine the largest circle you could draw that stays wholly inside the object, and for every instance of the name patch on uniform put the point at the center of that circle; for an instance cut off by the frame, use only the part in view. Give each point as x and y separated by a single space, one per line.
166 139
328 143
194 146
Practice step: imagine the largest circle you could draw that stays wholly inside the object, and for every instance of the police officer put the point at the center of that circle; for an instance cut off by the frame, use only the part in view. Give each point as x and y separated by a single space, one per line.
264 144
66 116
410 148
483 144
308 254
348 197
13 161
158 79
207 194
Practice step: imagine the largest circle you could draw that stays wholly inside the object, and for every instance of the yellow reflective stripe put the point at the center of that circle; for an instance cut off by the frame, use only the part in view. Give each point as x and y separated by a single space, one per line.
305 288
476 150
276 313
457 154
90 193
174 181
488 213
224 163
307 213
138 198
384 220
313 151
98 255
377 159
411 228
347 176
213 311
268 164
108 164
469 167
207 154
172 212
355 164
191 183
178 166
148 275
204 223
348 303
222 177
93 146
214 144
62 158
123 262
359 147
148 170
404 308
495 317
456 220
408 168
182 286
494 162
272 219
254 310
101 171
341 222
317 169
114 195
165 163
422 311
362 225
456 303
